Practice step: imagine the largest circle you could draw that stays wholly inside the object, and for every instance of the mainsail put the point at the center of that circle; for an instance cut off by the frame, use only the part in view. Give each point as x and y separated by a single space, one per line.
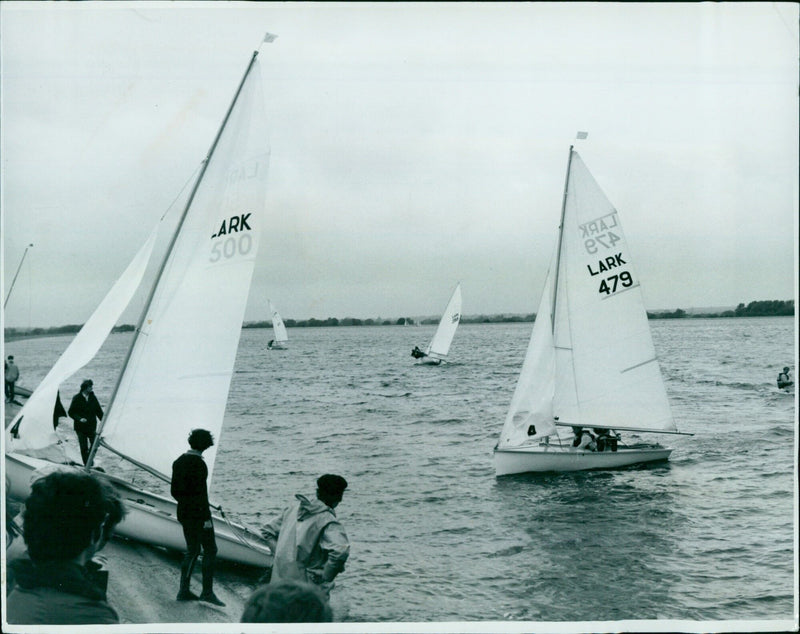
598 364
278 327
180 366
446 330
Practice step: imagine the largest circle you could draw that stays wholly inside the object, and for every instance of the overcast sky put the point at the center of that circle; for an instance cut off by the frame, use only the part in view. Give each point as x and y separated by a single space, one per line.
412 146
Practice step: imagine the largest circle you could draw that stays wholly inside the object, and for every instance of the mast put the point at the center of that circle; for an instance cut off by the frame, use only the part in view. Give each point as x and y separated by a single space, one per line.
560 237
98 439
11 288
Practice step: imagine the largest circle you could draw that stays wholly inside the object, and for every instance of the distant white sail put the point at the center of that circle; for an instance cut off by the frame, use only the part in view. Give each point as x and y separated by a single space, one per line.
278 327
446 330
35 430
180 367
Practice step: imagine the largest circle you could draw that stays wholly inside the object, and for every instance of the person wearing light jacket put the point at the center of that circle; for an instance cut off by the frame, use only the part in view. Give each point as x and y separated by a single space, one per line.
307 541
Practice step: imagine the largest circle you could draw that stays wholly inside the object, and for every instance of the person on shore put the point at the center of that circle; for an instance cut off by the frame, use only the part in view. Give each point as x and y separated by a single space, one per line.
10 376
307 541
68 518
189 487
784 379
287 602
85 411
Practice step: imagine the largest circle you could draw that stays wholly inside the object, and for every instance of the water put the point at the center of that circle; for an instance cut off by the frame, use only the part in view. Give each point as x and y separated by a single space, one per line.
437 537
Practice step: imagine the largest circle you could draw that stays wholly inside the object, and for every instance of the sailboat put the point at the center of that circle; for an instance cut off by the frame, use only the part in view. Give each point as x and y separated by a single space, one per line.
439 346
280 340
178 369
590 363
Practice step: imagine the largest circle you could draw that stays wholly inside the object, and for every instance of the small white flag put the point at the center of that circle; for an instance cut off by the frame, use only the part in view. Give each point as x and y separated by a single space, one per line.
269 37
582 135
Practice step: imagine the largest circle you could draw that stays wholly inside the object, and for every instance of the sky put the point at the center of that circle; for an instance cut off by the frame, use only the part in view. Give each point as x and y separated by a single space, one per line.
413 146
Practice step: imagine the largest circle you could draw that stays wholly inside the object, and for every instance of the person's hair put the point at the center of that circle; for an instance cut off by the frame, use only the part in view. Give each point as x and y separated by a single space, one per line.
200 439
63 513
330 487
287 602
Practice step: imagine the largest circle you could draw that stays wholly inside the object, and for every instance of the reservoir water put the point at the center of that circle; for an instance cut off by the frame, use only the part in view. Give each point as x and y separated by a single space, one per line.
436 536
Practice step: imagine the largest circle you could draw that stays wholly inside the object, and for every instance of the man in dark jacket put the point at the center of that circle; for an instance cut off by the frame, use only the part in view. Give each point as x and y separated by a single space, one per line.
85 410
68 518
189 475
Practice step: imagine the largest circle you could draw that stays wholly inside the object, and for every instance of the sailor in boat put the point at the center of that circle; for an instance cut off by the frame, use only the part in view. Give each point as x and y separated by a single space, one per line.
417 353
85 411
606 439
785 379
269 345
189 475
584 439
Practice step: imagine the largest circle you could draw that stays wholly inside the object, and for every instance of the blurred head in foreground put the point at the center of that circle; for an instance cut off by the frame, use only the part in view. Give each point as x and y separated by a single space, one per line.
287 602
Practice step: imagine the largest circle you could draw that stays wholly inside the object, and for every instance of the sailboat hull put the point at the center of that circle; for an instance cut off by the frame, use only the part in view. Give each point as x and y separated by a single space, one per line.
151 518
544 458
429 361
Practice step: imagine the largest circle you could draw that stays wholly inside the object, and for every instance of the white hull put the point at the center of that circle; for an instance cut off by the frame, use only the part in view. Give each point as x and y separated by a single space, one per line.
552 458
151 517
429 360
278 345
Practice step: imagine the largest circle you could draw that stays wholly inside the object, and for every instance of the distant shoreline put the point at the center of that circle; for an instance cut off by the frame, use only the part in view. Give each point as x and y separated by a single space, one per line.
773 308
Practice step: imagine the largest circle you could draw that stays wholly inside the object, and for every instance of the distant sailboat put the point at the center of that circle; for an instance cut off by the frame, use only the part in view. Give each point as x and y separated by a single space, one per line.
590 363
177 372
281 339
437 349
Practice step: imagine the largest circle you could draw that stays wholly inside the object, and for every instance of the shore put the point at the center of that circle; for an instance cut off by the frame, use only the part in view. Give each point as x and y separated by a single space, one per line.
143 583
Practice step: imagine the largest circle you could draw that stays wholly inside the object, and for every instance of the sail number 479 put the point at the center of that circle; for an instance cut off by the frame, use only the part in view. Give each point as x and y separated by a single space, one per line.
610 284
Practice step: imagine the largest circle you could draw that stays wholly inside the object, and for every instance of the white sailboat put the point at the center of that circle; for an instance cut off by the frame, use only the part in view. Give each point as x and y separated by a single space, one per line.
590 363
281 338
177 372
439 346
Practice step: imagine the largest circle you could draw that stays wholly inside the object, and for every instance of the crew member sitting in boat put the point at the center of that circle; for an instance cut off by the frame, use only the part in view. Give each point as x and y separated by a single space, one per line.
784 379
584 439
270 344
606 439
417 353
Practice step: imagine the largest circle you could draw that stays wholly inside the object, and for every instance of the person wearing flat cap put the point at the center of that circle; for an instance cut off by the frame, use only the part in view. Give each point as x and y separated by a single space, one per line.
85 411
307 541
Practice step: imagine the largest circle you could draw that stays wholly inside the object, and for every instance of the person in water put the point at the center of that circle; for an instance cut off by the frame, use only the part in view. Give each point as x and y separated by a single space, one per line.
85 411
308 542
785 379
417 353
189 475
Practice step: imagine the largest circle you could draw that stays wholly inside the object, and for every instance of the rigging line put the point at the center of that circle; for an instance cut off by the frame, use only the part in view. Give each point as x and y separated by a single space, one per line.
183 189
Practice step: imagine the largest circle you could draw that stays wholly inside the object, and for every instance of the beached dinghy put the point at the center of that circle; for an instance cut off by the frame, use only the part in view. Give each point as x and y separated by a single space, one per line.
437 349
281 338
177 372
590 363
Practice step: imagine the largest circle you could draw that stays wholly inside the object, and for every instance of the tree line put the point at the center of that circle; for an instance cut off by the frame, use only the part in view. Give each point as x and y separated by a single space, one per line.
771 308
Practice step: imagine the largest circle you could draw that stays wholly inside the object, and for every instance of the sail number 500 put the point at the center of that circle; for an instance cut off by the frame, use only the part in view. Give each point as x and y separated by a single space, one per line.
231 246
610 284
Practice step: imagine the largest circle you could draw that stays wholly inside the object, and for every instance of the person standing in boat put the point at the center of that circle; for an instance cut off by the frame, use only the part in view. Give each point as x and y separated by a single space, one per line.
785 379
10 376
85 411
307 541
189 487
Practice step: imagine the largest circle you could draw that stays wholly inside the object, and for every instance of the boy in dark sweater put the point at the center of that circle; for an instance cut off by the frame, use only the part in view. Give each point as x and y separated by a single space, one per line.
189 475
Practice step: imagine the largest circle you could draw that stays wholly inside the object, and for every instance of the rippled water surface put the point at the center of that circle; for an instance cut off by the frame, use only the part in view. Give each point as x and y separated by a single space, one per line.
437 537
